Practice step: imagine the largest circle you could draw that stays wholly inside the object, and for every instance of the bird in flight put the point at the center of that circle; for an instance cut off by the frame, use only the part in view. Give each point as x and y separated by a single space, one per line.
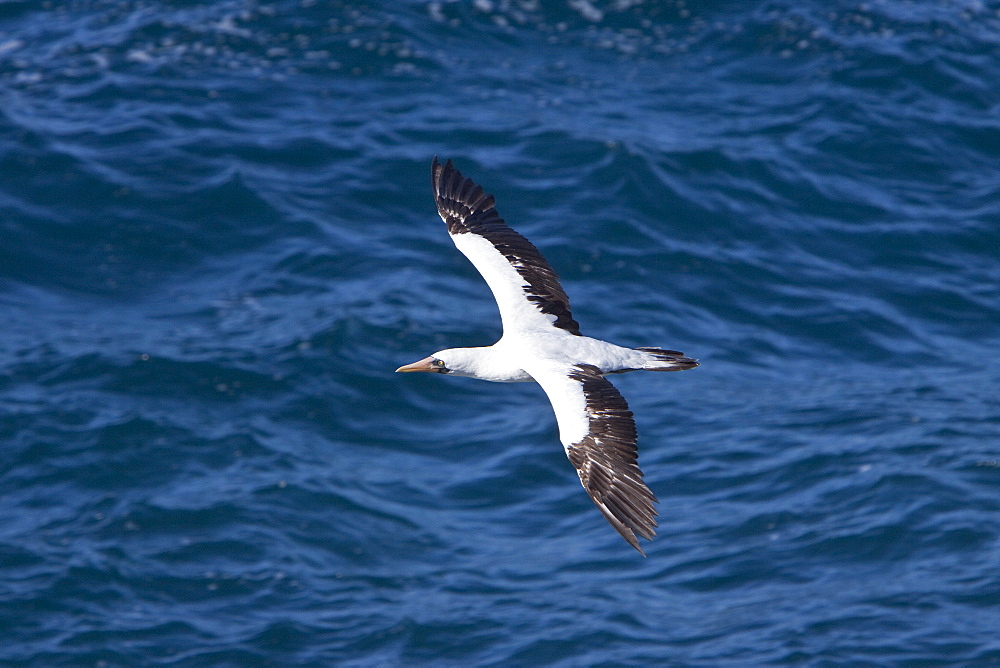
542 342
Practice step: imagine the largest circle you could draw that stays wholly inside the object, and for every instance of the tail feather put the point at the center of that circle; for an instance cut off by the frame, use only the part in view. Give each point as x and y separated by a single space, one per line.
667 360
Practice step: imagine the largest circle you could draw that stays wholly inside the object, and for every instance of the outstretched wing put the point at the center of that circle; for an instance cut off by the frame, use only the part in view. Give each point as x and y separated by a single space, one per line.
598 433
525 286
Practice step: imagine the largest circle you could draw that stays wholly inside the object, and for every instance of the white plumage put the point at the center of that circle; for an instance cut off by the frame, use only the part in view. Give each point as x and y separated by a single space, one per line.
542 342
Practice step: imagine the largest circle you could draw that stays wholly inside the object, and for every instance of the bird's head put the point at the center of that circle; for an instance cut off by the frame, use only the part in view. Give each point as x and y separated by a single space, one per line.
457 361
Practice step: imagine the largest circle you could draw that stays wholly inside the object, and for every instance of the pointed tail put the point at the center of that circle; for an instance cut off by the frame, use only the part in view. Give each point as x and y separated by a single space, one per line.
667 360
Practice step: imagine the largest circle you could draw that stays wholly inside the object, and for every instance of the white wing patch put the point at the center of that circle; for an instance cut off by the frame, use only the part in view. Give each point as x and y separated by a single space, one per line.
508 287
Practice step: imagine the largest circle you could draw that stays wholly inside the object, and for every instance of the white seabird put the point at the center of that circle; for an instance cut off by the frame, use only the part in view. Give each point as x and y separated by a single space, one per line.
541 342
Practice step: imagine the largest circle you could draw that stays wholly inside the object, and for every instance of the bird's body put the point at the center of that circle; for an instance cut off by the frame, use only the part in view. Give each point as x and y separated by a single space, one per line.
507 360
542 343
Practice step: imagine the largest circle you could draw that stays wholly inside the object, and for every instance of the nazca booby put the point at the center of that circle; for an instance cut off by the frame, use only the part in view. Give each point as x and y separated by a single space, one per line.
542 342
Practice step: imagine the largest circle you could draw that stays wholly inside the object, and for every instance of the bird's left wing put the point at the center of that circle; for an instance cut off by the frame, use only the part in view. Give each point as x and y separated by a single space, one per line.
598 433
525 286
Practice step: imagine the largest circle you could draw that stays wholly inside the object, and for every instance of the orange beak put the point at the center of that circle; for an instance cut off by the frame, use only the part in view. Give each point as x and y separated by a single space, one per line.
426 364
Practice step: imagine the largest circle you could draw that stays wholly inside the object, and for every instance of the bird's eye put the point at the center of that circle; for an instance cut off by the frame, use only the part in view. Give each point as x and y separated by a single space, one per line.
439 363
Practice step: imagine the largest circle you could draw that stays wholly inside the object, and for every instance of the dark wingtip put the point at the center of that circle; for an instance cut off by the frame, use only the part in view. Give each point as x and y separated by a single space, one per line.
439 172
633 540
437 167
435 172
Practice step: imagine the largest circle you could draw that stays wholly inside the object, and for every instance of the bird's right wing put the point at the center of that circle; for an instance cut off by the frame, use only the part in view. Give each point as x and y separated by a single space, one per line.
598 433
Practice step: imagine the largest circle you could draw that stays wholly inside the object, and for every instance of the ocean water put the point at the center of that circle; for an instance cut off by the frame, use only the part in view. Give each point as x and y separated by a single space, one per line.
217 242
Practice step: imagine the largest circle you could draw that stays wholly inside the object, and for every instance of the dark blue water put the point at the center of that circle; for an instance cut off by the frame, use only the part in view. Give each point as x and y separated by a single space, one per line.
217 242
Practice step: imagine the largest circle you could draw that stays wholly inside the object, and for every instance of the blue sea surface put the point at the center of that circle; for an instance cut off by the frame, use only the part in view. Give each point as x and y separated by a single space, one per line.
218 241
